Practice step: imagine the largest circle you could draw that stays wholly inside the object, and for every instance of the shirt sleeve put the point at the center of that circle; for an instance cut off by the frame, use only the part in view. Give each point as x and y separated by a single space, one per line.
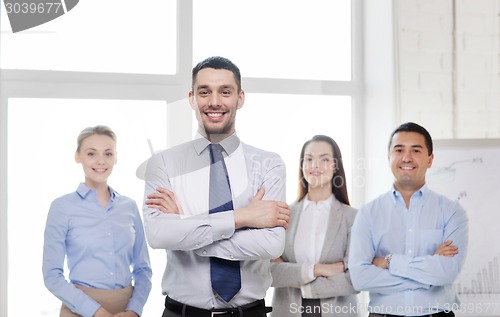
54 251
435 269
141 268
175 232
327 287
364 275
287 274
255 244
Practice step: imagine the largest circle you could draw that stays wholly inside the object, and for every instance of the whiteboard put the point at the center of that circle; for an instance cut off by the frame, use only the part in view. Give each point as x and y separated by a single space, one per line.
469 171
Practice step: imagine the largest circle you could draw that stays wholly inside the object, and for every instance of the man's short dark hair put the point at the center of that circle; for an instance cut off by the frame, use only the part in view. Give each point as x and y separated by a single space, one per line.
218 62
413 127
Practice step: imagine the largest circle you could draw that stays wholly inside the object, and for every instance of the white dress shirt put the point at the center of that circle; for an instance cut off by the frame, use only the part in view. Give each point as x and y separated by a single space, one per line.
191 238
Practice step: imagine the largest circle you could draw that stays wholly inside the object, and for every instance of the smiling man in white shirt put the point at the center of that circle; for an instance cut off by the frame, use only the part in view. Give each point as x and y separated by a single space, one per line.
250 229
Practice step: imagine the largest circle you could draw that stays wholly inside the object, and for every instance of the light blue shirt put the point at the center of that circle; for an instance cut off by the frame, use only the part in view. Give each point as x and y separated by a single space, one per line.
105 249
417 282
192 237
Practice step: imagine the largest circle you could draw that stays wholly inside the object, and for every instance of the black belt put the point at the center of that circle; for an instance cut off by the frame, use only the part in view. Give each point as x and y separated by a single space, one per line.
445 313
256 308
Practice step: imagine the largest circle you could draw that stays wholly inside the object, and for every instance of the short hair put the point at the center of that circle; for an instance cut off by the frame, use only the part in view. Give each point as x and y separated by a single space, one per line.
218 62
339 190
89 131
413 127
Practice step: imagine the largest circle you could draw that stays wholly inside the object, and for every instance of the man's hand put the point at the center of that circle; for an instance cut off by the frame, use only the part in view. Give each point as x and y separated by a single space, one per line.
164 200
328 270
446 249
262 213
277 260
380 262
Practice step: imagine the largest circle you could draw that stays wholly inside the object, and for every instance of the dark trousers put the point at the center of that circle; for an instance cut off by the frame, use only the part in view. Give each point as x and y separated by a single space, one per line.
312 307
176 309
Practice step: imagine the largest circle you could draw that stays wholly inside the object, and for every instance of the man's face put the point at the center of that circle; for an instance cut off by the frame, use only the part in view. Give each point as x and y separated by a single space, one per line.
409 160
215 98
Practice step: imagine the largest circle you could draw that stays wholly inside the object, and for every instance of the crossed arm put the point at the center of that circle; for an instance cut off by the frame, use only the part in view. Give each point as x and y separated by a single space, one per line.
445 249
369 271
321 269
258 214
217 234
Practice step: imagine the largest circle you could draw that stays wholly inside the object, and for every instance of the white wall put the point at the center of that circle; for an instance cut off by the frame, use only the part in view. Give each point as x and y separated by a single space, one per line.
450 66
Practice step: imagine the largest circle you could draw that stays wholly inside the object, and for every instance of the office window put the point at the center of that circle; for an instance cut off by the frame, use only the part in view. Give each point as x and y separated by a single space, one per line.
114 36
282 123
41 147
277 39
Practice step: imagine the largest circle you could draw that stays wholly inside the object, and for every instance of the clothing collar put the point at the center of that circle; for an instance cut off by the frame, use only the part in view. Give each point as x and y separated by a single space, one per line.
322 204
229 144
422 192
83 190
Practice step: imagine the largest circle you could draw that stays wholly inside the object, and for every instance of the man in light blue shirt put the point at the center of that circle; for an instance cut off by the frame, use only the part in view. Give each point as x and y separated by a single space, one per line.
409 244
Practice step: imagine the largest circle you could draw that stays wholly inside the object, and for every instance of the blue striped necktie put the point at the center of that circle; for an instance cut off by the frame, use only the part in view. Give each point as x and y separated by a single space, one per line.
224 274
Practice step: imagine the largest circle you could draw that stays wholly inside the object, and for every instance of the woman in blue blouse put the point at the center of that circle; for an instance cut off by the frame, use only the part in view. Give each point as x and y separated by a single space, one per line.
100 233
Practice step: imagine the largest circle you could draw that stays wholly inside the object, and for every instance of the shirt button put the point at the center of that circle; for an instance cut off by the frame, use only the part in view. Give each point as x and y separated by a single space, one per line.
204 252
231 256
223 236
196 246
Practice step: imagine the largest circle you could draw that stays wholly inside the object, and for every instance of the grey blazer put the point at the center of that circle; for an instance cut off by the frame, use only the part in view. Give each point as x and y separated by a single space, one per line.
338 297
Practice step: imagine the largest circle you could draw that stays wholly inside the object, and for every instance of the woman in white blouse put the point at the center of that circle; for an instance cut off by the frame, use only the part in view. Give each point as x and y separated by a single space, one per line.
311 277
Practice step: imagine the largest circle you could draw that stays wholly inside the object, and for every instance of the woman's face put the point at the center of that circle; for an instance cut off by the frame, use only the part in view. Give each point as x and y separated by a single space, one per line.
98 156
318 166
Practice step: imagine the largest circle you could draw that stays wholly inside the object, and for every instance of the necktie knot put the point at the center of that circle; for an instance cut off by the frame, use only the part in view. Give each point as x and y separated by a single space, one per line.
215 152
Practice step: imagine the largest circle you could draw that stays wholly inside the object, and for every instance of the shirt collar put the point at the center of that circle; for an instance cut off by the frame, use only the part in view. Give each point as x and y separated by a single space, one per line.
321 205
422 192
83 190
229 144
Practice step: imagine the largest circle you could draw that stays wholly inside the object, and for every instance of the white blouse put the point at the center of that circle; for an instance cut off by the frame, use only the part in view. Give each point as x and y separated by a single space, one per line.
311 232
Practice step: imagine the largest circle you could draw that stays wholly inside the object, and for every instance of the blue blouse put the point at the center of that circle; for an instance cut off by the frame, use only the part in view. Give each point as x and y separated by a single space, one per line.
105 248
